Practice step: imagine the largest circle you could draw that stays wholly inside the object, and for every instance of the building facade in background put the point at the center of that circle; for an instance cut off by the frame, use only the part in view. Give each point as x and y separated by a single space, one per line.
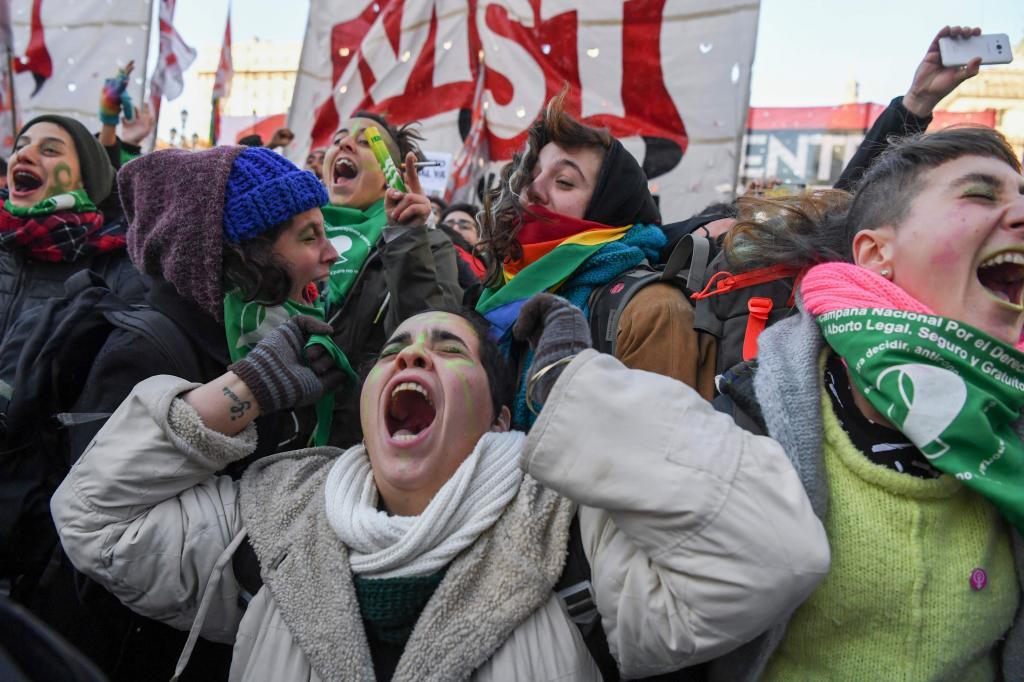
264 78
810 146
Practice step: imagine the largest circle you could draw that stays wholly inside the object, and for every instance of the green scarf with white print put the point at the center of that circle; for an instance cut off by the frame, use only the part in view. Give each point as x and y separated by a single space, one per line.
952 389
247 322
353 233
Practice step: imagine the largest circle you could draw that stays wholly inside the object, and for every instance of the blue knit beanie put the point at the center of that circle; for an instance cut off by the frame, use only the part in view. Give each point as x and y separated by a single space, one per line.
265 189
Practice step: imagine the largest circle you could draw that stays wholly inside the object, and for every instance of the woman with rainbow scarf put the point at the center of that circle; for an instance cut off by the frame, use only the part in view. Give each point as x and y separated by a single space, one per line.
897 394
574 211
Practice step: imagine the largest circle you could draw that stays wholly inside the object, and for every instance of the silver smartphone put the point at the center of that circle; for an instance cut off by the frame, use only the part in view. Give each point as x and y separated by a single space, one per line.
993 48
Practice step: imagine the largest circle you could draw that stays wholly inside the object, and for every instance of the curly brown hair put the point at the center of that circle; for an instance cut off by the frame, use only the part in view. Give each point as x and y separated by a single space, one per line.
502 217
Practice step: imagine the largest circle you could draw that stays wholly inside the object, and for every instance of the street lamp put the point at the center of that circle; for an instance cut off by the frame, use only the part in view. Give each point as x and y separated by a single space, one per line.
174 133
184 118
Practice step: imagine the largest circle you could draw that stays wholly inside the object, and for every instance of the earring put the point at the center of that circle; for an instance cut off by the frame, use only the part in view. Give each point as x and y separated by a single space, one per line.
885 273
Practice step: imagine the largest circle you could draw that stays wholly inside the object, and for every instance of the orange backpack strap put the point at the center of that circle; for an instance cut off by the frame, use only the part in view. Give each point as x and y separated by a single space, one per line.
724 282
760 308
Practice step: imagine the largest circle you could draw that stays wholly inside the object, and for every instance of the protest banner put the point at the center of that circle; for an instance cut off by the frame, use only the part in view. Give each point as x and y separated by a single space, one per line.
669 77
63 51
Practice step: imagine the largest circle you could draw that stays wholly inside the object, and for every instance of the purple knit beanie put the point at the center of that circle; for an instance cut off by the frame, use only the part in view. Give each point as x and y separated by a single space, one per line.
174 200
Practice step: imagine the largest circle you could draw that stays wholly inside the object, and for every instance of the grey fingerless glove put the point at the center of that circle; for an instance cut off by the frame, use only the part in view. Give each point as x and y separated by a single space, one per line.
557 330
275 370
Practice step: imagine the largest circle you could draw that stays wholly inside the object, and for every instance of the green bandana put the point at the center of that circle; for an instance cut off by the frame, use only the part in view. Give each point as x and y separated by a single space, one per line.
246 323
952 389
75 201
353 234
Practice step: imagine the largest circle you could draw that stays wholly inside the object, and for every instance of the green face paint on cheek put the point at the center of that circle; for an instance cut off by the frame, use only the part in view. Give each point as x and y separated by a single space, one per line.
61 178
457 365
370 390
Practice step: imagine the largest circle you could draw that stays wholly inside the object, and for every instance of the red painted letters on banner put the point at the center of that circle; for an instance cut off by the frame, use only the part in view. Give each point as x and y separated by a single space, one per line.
530 50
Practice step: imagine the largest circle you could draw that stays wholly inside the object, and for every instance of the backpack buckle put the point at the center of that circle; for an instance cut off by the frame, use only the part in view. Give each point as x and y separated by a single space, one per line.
579 602
760 308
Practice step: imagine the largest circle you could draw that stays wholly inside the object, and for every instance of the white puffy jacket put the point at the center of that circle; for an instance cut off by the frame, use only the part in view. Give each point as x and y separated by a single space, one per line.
699 535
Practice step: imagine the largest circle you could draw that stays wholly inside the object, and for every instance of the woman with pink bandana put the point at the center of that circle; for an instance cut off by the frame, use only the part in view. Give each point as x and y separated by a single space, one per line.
897 395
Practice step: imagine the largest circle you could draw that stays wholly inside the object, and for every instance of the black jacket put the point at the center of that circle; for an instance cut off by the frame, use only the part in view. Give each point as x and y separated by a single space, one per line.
25 283
126 359
124 645
895 121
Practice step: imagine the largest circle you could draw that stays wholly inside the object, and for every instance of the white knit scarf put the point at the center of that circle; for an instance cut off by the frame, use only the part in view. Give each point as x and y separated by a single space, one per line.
383 546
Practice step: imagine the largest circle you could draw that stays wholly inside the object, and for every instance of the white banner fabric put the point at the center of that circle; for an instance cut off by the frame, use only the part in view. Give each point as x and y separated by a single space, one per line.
63 51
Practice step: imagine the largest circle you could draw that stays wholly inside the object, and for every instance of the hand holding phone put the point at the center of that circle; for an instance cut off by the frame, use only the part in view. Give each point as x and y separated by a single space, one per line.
992 48
933 80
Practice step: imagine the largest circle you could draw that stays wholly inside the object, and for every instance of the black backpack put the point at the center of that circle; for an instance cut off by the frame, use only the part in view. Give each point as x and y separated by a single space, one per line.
45 360
30 651
734 309
684 269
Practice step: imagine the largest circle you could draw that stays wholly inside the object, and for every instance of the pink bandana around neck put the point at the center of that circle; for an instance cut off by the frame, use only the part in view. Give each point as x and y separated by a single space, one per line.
837 286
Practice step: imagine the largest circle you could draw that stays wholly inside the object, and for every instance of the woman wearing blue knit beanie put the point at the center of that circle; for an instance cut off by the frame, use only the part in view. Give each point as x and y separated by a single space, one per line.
233 240
390 265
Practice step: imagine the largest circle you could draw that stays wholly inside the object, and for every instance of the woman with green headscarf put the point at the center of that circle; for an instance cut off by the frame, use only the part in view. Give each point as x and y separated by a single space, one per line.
390 263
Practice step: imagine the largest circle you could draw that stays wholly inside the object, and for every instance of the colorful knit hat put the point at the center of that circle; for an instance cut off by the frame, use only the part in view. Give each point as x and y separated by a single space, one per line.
265 189
182 206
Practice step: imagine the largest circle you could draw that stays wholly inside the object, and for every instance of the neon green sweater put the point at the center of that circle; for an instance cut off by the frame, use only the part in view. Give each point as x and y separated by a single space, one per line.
898 602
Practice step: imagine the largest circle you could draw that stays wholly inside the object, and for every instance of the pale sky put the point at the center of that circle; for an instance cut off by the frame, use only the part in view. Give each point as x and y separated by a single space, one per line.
807 52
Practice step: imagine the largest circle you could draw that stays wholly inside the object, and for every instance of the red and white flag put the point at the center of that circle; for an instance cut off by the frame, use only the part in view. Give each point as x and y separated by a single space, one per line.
7 122
221 82
469 165
63 51
175 57
667 77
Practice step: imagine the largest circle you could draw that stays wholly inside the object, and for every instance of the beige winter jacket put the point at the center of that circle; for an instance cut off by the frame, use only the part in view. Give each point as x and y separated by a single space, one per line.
699 535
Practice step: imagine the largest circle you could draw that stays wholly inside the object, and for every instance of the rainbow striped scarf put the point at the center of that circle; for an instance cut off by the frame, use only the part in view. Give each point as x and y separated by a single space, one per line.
554 247
572 258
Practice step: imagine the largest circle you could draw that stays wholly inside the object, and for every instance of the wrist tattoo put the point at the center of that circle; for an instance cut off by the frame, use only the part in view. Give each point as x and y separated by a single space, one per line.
240 407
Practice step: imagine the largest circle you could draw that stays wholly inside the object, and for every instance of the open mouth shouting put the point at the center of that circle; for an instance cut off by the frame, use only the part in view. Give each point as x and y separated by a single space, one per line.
1002 276
24 181
343 171
409 413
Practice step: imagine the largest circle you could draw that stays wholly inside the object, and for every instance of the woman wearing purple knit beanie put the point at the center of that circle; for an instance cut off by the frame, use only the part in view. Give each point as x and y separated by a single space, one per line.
233 240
